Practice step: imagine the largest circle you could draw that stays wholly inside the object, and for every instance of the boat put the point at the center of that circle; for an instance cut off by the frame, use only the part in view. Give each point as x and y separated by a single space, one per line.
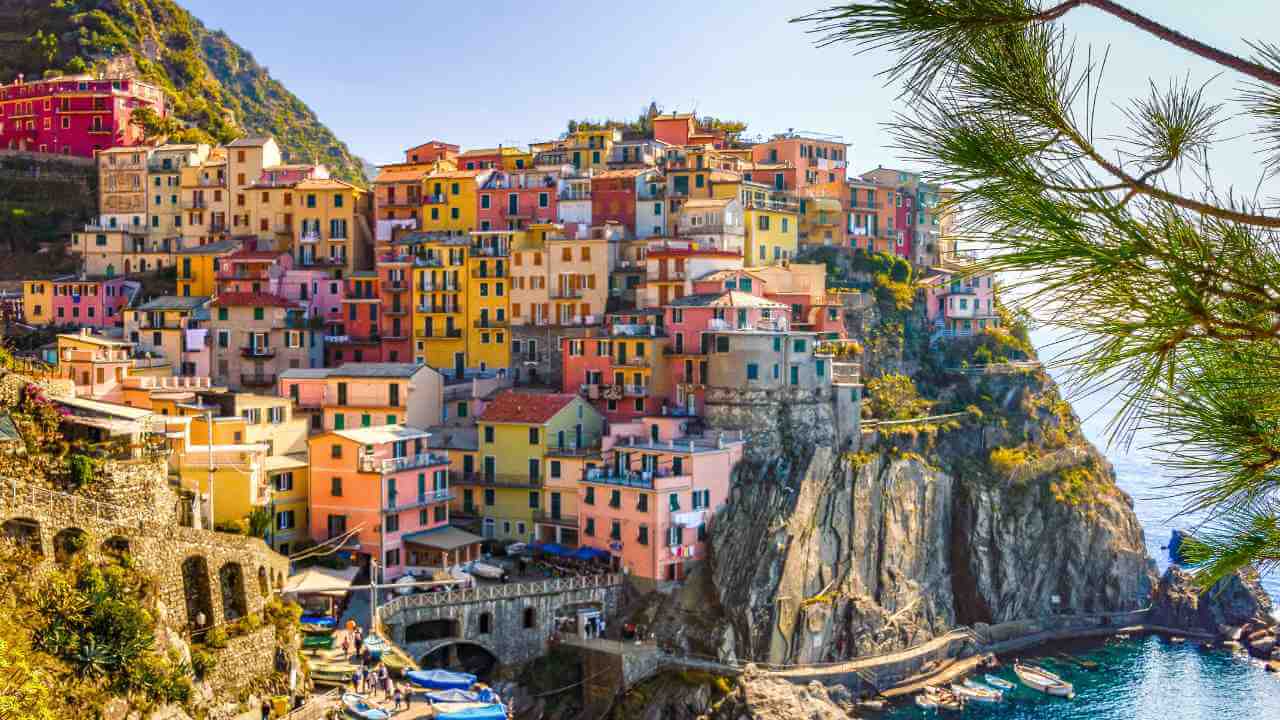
944 699
485 570
404 586
873 705
926 702
316 629
971 692
358 706
996 681
317 642
441 679
1177 639
375 645
1037 678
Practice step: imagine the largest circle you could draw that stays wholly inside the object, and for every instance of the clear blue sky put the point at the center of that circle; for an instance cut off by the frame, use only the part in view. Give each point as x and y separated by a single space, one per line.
386 74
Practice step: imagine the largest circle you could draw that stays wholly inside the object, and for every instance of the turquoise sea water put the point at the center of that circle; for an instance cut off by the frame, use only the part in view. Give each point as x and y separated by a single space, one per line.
1144 678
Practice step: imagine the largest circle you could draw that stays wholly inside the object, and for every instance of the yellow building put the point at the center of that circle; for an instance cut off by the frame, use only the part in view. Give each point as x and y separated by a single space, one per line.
297 209
289 479
164 190
439 297
198 267
488 299
204 200
516 433
37 302
590 149
771 223
160 326
449 200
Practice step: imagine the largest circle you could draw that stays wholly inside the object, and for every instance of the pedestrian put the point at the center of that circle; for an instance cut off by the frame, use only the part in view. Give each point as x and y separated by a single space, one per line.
385 677
357 679
408 697
366 658
346 646
359 640
266 709
399 697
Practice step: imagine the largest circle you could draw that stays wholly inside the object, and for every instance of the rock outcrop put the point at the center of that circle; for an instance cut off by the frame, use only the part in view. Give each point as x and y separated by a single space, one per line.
1234 602
823 555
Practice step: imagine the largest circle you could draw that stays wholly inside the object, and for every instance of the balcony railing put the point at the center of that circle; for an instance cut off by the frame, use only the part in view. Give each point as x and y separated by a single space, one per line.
489 323
450 334
438 309
195 204
434 199
494 480
252 351
449 286
566 293
258 380
387 466
396 503
554 518
476 272
635 390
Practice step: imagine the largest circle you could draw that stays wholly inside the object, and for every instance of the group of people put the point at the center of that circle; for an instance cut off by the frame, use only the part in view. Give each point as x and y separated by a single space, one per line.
371 675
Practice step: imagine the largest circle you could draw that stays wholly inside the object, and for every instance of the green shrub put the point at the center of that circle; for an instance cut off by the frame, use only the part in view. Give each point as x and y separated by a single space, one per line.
1006 461
202 661
894 397
216 637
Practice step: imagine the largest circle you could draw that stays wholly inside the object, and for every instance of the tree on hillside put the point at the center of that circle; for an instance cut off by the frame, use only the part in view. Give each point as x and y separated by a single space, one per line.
1173 296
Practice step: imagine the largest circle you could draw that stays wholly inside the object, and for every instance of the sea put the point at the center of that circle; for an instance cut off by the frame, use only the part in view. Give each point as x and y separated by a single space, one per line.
1144 678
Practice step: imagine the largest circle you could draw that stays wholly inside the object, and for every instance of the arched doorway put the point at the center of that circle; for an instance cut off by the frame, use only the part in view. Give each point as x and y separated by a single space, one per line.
68 543
231 582
25 533
115 547
195 586
428 630
462 655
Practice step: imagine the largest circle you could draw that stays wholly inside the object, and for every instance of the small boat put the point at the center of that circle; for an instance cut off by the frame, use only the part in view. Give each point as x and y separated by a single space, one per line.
998 682
925 702
317 642
358 706
1037 678
1122 636
1177 639
485 570
976 694
873 705
441 679
944 699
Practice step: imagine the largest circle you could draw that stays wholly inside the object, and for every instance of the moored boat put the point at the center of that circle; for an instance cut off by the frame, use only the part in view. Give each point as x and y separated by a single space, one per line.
924 701
359 706
972 692
998 682
485 570
1039 679
1177 639
944 699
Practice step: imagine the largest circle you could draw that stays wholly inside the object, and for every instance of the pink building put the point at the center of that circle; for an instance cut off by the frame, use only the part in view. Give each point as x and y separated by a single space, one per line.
623 370
356 335
514 200
650 502
959 304
389 495
74 115
91 303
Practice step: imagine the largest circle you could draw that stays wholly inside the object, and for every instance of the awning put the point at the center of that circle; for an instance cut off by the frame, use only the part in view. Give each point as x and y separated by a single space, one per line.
552 549
589 553
443 538
321 581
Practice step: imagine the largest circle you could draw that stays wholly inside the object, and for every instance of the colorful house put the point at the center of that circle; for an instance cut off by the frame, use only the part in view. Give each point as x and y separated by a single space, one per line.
450 200
75 114
72 300
960 302
173 328
654 494
97 365
515 200
382 492
367 394
516 431
199 265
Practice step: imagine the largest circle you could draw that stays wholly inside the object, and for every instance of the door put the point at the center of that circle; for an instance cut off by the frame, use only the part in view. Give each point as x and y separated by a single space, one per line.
555 506
490 468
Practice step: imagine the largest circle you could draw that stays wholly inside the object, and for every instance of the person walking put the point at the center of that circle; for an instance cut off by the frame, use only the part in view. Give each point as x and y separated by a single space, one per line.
346 645
359 640
266 709
408 697
357 679
399 698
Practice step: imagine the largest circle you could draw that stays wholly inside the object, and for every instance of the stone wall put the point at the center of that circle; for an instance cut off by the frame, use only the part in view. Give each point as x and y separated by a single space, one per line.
776 421
243 661
511 639
547 360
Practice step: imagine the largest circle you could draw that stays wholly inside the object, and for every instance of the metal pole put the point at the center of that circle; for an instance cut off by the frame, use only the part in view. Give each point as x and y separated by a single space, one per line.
373 596
208 425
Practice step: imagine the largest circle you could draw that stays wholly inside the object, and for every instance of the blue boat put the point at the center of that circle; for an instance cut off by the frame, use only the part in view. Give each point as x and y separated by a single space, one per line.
441 679
492 711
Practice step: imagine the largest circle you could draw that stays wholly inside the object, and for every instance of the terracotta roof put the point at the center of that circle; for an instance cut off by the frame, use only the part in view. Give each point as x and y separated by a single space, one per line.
212 248
707 202
253 300
456 174
725 176
728 273
401 174
528 408
627 173
246 254
324 184
250 141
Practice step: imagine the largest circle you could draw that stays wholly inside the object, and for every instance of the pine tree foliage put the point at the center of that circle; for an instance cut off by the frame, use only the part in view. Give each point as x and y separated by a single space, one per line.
1171 297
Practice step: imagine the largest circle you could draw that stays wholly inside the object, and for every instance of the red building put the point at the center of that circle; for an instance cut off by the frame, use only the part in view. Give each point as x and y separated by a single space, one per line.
613 198
74 115
431 151
396 324
360 339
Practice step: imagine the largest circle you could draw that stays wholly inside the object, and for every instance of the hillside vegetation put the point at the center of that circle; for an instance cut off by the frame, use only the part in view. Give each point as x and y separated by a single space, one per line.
215 88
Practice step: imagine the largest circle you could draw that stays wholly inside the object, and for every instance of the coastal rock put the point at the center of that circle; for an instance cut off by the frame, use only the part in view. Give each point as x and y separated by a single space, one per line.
1175 544
823 555
1235 601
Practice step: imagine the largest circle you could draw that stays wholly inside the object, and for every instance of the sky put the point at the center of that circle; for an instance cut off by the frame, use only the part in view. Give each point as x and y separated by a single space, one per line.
393 73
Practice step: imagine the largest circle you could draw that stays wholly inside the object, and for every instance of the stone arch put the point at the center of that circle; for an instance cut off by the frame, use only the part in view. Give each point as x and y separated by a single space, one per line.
474 657
529 617
428 630
264 582
68 543
195 586
231 582
485 623
24 532
115 547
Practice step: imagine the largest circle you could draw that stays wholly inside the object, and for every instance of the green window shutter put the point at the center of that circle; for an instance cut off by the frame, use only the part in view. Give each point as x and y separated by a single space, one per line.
339 422
259 313
222 313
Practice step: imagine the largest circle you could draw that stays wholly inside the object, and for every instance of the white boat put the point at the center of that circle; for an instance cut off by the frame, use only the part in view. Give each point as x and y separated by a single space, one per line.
998 682
1177 640
404 586
485 570
973 692
873 705
358 706
1037 678
924 701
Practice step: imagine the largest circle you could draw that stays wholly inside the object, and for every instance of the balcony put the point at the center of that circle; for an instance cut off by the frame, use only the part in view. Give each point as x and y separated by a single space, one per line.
395 311
566 293
286 229
389 466
195 204
494 480
258 380
570 195
211 181
545 517
624 478
449 286
437 309
395 286
489 323
496 273
435 199
307 238
636 361
217 227
242 275
635 390
396 503
250 351
453 334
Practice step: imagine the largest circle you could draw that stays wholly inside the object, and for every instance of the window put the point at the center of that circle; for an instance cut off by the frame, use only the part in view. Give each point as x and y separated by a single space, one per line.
486 623
643 536
488 496
222 313
797 346
488 433
335 452
530 617
393 556
753 371
673 502
722 343
259 313
590 528
590 496
484 202
285 520
533 497
642 503
701 499
392 523
533 436
335 487
615 530
555 468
